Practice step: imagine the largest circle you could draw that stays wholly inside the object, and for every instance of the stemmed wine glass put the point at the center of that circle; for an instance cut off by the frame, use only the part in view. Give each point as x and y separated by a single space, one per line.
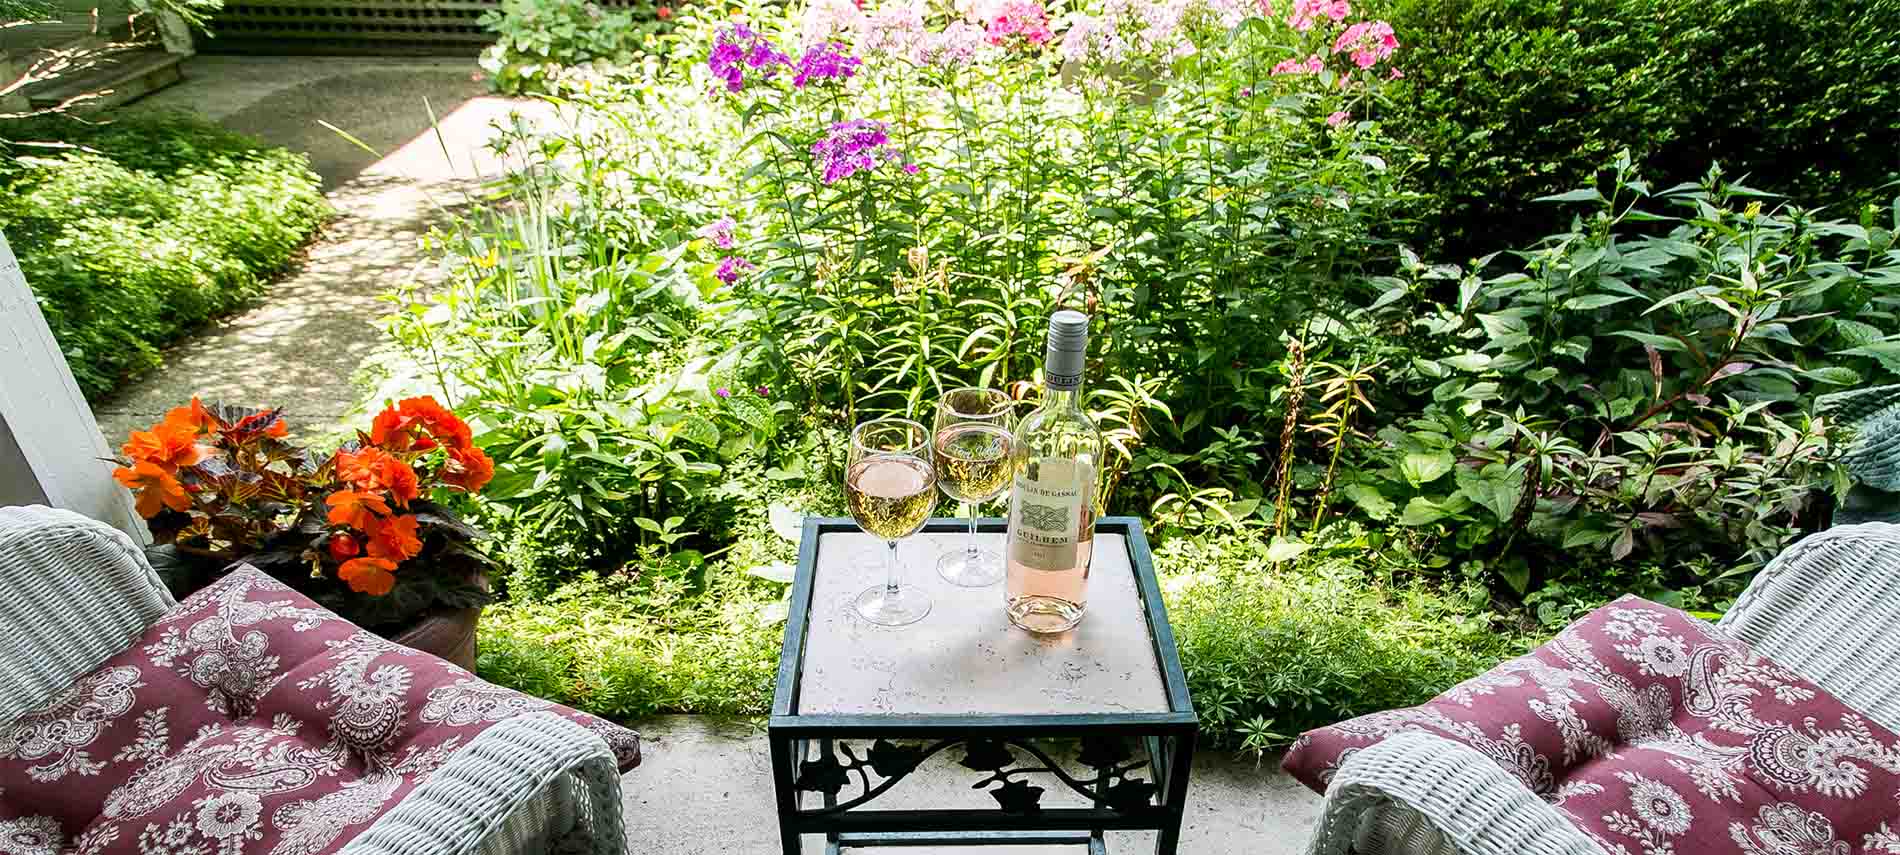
972 454
891 486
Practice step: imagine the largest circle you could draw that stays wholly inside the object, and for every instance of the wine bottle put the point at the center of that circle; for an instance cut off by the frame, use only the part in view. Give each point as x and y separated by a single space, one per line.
1052 502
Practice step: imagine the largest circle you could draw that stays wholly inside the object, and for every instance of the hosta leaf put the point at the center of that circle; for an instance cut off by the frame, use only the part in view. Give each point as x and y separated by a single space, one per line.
1421 468
1370 500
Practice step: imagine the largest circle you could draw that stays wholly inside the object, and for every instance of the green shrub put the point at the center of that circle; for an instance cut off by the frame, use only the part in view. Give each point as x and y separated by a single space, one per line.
1274 649
535 40
134 232
1509 100
1642 388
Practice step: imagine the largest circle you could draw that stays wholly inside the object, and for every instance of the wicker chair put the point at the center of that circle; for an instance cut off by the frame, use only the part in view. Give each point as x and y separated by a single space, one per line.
1827 608
79 592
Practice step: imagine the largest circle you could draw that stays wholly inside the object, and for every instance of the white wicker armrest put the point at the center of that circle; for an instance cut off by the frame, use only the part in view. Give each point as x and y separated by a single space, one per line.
76 592
1828 608
531 784
1469 802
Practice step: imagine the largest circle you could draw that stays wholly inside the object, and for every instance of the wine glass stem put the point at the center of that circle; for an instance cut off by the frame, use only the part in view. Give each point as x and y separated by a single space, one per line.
970 544
890 569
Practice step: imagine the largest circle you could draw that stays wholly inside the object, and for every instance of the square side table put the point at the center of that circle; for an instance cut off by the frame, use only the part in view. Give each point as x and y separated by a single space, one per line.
1098 717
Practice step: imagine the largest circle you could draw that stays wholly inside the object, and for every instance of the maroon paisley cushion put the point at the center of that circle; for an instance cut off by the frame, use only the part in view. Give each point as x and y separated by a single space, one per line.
1655 733
247 720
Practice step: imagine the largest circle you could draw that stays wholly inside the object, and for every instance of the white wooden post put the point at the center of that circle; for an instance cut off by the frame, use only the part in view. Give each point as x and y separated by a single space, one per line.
51 451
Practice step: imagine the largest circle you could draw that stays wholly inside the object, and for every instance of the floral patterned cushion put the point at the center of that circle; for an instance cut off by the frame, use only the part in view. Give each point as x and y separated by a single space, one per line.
247 720
1655 733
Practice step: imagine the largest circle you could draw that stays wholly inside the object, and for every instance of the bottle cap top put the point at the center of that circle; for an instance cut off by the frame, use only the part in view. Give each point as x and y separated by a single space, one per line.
1064 355
1069 331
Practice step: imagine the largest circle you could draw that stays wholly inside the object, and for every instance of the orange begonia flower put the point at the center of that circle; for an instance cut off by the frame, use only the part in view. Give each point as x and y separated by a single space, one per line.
375 469
357 510
191 418
154 486
443 425
390 429
165 445
469 468
343 547
394 539
372 576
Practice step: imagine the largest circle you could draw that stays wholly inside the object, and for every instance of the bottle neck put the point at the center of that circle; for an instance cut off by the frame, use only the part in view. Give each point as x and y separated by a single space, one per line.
1058 399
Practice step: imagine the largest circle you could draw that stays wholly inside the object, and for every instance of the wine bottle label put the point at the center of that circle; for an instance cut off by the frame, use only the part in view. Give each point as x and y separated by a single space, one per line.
1048 512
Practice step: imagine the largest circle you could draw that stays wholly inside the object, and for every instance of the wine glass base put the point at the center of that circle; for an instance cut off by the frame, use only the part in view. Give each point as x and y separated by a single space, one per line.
885 607
980 569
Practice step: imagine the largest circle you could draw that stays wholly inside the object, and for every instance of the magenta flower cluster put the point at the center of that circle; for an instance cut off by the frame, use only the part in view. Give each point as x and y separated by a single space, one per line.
1368 42
732 267
827 61
738 48
859 145
1009 20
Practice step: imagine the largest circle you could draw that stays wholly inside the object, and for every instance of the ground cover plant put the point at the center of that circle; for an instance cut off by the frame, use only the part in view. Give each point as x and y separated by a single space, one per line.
1367 474
133 231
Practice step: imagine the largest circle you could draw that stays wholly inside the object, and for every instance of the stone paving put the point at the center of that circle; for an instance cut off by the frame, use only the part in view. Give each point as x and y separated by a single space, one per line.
301 344
705 786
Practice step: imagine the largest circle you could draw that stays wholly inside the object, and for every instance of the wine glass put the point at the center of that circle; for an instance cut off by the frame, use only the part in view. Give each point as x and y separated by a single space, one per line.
972 455
891 486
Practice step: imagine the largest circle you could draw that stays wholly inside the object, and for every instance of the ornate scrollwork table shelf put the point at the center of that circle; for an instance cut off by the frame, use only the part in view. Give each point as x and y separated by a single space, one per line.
1071 736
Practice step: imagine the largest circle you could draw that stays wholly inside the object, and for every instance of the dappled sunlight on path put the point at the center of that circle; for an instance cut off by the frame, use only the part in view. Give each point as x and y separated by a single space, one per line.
299 345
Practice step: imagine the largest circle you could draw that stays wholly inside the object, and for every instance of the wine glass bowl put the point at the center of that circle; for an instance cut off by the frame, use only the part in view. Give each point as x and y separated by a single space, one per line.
971 449
890 485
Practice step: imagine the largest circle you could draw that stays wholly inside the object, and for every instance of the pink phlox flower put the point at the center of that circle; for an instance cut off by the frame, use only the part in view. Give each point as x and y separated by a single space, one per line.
1306 13
1011 20
957 45
719 232
1395 74
1368 42
1311 65
894 29
1337 119
829 20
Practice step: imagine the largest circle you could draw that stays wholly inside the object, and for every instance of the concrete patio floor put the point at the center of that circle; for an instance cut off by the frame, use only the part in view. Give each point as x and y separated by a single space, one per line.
705 785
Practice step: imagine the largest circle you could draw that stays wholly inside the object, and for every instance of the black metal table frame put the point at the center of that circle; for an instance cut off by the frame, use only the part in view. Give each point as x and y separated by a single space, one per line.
805 748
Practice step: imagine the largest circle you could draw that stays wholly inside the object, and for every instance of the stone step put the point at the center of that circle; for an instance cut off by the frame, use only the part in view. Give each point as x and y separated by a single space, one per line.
107 77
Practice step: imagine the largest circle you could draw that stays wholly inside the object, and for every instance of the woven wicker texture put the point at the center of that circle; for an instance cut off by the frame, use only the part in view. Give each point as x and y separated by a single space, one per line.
1827 608
79 592
1873 455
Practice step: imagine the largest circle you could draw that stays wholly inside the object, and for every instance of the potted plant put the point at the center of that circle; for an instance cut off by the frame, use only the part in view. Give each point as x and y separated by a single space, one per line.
360 530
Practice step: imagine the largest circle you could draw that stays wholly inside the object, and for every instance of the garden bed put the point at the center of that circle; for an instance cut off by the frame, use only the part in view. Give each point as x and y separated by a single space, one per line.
134 231
1366 474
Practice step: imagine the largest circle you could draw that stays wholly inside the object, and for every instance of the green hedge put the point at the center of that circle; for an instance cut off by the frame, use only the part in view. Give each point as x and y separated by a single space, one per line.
133 232
1510 100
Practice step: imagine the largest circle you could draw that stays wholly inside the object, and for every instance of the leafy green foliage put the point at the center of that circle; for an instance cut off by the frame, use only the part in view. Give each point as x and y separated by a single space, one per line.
1631 392
133 232
536 39
1510 100
1272 649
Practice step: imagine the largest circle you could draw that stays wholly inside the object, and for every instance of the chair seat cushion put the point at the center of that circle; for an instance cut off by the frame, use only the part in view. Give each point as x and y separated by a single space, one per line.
1656 733
248 719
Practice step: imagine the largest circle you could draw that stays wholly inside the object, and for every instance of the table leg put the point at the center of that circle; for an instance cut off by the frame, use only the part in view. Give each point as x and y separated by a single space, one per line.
784 783
1180 766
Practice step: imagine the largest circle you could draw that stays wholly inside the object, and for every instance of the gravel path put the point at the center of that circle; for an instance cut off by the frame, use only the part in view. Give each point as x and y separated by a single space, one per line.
302 343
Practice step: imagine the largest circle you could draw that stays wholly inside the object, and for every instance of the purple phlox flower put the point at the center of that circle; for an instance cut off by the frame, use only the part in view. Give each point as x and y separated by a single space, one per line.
827 61
719 232
911 168
732 267
854 146
738 47
723 392
763 391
